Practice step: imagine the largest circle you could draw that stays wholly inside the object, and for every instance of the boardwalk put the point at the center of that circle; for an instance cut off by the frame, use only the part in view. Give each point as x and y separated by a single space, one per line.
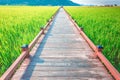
62 55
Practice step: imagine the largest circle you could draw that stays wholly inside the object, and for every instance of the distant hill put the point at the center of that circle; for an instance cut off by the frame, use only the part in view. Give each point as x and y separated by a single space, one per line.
39 2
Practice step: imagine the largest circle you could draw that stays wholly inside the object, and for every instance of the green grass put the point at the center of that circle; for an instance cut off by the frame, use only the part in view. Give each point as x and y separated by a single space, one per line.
19 25
102 25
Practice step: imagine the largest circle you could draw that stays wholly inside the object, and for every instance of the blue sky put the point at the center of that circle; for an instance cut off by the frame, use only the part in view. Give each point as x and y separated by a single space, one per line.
97 2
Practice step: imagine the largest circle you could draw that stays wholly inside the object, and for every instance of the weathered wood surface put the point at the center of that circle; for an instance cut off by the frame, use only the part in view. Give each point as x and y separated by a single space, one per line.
62 55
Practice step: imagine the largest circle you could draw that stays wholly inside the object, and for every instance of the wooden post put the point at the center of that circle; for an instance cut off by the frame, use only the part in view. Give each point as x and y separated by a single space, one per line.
42 30
99 48
25 48
82 28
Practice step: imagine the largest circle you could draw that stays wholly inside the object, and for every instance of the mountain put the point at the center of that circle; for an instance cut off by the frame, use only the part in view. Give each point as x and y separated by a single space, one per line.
39 2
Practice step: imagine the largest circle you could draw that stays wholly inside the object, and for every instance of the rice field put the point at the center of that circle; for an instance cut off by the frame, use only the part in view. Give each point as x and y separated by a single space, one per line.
102 25
19 25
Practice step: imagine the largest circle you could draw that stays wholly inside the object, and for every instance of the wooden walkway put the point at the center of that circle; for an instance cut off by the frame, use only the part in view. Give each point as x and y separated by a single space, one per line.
62 55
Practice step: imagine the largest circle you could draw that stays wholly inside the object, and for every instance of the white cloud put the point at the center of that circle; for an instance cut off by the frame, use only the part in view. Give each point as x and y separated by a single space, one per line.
97 2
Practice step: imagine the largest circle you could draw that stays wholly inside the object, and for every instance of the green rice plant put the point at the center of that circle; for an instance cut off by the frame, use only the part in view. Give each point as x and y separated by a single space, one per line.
102 26
19 25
